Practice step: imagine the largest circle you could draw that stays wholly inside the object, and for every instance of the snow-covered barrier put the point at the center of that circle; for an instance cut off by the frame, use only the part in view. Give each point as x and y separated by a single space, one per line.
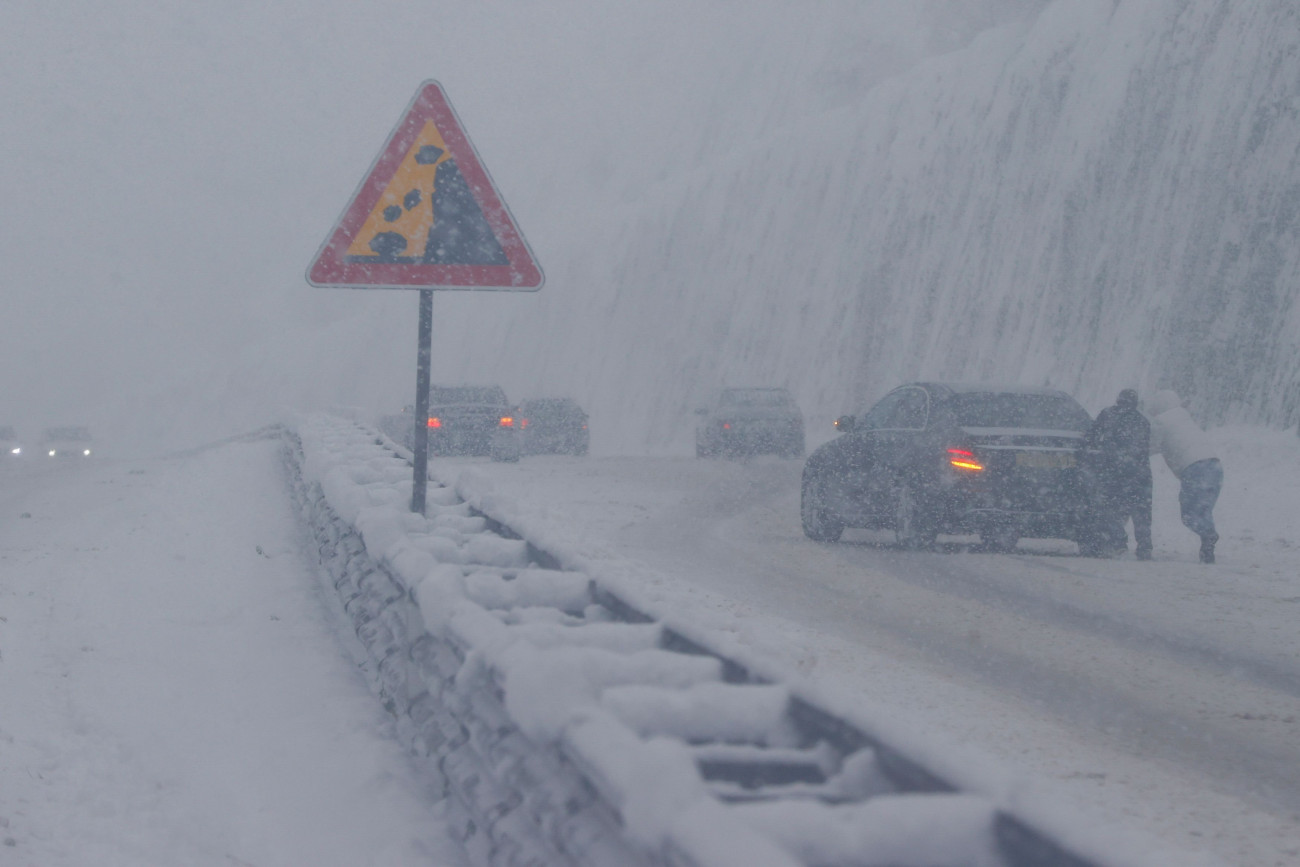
570 727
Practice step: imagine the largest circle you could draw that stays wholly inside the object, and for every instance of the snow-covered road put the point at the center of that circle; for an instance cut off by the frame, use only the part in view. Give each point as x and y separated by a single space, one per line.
172 688
1161 696
175 689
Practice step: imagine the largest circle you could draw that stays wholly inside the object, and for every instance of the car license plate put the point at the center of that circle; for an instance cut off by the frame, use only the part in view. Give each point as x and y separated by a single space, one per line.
1045 460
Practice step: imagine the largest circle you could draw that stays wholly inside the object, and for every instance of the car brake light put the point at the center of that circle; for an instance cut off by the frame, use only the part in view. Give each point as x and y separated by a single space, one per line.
726 425
435 422
964 460
507 421
523 423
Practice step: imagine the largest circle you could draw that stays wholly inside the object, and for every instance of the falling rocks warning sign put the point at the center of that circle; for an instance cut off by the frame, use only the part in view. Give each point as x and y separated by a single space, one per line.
427 216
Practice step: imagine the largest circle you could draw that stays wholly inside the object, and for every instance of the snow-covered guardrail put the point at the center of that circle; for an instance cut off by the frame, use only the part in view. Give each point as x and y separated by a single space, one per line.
573 727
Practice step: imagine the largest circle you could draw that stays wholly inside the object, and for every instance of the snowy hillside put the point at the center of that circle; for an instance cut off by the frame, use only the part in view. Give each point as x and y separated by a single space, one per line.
1106 196
833 196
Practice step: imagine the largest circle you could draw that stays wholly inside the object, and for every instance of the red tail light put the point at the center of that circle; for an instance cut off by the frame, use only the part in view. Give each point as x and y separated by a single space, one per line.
964 460
523 423
507 421
726 425
435 422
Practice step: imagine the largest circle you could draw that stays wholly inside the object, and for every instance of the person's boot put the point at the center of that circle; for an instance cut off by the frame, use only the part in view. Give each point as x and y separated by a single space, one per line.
1207 547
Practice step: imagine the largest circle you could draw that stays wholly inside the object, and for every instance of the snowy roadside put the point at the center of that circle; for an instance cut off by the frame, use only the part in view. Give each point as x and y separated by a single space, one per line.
480 651
620 517
174 691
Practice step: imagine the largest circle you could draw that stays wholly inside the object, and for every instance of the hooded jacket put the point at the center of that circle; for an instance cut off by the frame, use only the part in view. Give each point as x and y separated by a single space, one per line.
1175 435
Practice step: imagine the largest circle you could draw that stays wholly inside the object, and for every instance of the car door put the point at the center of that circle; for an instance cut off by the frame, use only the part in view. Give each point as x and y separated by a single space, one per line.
858 488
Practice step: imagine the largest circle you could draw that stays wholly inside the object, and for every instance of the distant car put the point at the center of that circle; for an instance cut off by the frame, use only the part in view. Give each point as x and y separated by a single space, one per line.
10 447
465 419
552 425
750 421
933 458
66 442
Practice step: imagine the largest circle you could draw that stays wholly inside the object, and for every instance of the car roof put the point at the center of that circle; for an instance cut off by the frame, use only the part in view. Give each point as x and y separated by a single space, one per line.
964 387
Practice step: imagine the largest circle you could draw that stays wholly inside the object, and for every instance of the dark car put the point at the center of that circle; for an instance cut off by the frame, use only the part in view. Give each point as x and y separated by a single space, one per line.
750 421
552 425
933 458
465 419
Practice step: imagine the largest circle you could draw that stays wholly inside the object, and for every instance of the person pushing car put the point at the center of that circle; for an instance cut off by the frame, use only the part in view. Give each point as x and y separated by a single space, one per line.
1121 439
1192 458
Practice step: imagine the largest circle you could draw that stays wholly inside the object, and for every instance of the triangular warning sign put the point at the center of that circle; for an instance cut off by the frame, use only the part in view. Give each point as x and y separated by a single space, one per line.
427 216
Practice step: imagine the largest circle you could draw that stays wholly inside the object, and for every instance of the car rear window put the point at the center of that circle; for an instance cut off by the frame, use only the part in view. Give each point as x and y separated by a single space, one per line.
1036 411
444 395
756 397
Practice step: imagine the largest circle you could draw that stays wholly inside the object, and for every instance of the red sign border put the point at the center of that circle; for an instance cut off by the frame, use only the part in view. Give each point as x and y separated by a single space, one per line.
330 268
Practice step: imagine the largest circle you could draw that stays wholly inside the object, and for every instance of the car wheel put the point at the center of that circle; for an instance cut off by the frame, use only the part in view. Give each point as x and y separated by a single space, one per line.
818 523
913 526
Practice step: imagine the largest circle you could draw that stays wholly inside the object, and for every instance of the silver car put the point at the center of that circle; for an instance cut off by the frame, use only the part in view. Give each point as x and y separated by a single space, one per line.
749 421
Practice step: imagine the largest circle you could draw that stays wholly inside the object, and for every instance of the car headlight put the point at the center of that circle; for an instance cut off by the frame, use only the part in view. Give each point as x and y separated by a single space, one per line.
16 451
86 453
51 452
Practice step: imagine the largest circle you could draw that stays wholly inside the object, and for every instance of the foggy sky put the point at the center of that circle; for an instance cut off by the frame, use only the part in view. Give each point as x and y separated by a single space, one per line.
171 169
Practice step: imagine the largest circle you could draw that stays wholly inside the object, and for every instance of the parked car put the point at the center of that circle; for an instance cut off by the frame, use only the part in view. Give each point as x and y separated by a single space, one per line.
933 458
552 425
66 442
750 421
10 447
465 419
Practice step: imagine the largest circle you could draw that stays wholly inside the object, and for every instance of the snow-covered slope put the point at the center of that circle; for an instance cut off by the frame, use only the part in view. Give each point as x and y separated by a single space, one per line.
832 196
1106 196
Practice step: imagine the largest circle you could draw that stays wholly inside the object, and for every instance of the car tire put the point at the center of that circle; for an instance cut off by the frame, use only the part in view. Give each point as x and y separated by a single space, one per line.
913 525
818 523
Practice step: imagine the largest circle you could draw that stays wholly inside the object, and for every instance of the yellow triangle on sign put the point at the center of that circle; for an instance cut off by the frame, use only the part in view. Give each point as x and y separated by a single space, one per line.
398 225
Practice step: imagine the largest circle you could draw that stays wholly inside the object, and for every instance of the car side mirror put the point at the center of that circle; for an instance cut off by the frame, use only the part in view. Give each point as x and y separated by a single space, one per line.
845 424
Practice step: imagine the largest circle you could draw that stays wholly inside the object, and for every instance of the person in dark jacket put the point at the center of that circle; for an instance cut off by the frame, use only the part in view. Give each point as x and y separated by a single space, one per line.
1120 439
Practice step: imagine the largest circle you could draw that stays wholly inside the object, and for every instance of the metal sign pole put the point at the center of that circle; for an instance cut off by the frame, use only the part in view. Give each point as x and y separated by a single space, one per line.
421 421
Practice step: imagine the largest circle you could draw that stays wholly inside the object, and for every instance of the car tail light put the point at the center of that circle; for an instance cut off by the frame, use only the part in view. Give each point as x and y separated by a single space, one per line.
523 423
726 425
435 422
964 460
507 421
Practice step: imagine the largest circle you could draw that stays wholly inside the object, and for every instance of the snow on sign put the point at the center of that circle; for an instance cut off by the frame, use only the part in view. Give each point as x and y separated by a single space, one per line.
427 216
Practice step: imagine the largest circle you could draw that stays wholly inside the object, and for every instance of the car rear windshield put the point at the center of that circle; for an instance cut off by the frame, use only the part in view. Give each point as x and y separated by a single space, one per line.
1036 411
756 397
450 395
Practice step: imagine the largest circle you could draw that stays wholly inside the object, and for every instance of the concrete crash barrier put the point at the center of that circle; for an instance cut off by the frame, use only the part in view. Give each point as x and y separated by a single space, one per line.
569 727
